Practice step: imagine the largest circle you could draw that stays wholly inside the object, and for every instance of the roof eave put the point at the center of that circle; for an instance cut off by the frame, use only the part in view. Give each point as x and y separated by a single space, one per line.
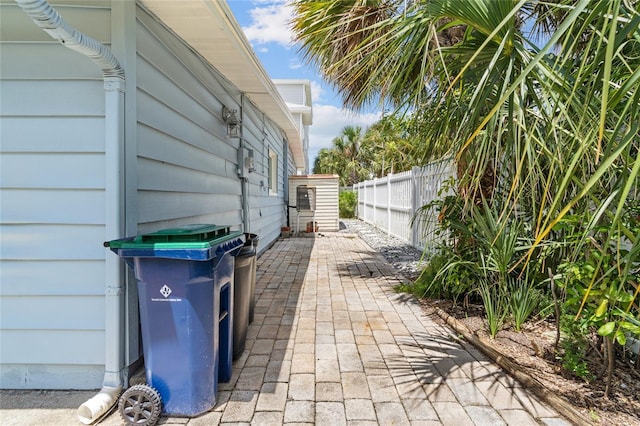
209 27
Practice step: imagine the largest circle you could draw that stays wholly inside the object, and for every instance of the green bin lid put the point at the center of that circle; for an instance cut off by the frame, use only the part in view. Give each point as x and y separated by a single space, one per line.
187 236
186 233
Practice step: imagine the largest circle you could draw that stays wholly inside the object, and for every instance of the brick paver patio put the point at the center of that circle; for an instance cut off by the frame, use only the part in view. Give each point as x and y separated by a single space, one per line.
333 343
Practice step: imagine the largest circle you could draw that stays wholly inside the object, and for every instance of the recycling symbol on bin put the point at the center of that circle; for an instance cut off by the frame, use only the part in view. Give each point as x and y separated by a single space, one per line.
165 291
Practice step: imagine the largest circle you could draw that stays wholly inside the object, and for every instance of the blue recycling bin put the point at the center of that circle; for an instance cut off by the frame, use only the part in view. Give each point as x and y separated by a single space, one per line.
185 292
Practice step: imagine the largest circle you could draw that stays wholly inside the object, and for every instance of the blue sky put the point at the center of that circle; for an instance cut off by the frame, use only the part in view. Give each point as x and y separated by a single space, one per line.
266 25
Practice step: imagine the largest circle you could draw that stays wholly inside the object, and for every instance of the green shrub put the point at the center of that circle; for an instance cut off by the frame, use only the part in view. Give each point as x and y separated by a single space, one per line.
574 348
523 300
496 305
445 276
347 202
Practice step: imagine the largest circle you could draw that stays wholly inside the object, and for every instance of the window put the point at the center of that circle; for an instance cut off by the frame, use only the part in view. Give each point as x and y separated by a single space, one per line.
273 173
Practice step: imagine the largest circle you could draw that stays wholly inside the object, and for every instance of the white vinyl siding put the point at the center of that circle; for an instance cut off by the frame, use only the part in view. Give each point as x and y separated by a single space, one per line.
293 93
297 95
52 190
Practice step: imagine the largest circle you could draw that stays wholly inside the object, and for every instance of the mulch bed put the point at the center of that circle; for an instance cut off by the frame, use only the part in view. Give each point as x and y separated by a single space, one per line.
530 354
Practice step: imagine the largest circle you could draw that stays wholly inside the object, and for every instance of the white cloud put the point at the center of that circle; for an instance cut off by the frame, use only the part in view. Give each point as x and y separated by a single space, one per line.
295 64
328 122
317 92
270 22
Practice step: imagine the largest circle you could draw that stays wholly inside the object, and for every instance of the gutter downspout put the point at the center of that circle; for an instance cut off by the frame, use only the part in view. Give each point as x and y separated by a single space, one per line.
48 19
285 178
246 211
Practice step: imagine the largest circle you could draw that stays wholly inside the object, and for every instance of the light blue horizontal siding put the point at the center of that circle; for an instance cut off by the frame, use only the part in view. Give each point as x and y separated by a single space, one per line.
169 150
52 312
158 206
51 242
52 218
170 120
267 211
45 61
181 89
187 167
218 180
52 347
50 376
52 170
15 25
52 135
52 277
46 206
163 51
52 98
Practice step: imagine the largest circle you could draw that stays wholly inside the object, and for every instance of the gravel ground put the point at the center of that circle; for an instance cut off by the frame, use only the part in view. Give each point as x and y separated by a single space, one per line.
404 257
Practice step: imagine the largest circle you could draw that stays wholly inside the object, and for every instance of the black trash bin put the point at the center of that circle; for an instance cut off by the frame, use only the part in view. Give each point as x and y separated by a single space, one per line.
242 292
252 240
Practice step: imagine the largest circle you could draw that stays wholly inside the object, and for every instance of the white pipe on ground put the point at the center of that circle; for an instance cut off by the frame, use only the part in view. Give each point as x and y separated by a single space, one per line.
47 18
98 405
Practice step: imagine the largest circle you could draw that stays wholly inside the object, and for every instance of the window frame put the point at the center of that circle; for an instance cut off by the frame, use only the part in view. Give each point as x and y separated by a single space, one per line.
272 171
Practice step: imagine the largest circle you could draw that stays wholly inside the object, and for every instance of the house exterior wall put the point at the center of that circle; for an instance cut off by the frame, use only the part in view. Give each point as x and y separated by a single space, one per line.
52 219
266 205
297 95
326 209
186 165
180 168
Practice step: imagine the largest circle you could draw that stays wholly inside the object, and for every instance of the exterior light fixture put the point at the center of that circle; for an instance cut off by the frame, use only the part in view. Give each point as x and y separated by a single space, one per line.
233 122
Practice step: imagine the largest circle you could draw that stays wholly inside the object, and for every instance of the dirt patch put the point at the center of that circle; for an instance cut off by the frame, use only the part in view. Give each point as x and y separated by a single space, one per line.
532 351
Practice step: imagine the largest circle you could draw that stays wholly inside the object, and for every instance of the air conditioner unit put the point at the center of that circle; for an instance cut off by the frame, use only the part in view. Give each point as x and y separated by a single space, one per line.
306 198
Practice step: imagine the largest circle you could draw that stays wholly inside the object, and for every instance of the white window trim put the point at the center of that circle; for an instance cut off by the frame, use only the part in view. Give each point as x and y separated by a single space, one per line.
273 173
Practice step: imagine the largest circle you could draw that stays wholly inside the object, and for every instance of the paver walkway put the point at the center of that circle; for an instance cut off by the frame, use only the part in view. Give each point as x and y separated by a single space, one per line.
333 344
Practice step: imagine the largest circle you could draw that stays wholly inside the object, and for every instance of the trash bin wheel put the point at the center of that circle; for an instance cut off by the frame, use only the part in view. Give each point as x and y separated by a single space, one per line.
140 405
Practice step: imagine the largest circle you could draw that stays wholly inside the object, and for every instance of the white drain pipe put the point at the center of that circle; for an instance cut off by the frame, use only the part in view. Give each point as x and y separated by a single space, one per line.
96 407
47 18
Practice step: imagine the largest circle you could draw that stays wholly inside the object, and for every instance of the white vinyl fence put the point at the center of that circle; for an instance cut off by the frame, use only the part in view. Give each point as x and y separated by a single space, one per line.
390 203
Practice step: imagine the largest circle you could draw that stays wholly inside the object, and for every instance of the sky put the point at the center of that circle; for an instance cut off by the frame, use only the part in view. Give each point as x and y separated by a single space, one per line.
266 25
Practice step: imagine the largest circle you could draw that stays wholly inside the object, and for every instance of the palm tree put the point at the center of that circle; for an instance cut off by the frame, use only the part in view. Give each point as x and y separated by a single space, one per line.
548 130
347 146
327 162
547 118
344 158
388 146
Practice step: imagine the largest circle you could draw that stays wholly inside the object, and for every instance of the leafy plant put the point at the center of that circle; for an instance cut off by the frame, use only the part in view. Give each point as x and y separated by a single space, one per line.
524 298
499 241
542 131
445 276
602 289
347 203
574 348
495 303
486 247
